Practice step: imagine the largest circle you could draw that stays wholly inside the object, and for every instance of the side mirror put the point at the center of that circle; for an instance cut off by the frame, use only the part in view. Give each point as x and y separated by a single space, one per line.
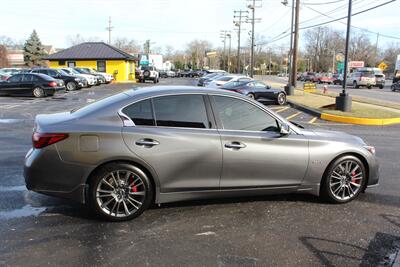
268 87
285 129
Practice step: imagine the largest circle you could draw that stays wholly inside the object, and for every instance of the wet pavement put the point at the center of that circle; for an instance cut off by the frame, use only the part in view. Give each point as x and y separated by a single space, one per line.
285 230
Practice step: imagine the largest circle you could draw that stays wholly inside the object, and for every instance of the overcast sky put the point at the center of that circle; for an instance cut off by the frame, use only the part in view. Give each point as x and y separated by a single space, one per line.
176 22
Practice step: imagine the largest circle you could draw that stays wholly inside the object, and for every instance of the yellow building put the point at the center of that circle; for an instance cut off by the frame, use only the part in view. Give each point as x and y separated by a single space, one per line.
96 55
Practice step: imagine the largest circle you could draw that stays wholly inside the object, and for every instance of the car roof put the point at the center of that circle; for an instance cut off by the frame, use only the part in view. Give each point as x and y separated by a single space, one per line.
168 89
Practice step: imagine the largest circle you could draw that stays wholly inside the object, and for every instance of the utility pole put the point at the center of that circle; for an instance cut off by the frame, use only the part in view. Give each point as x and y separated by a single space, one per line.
343 101
238 23
288 88
376 48
223 36
229 52
253 7
109 29
295 46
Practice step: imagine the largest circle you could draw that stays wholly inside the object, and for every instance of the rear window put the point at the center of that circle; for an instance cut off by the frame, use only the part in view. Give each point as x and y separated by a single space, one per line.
99 104
224 79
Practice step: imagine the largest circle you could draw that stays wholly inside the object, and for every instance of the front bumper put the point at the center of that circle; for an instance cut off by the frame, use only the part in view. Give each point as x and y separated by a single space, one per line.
46 173
373 172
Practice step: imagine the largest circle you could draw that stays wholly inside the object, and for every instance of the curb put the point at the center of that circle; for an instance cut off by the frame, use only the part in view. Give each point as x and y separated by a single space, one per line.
344 119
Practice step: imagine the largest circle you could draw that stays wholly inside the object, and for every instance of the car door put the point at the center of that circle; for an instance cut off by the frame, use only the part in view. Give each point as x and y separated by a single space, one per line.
176 136
262 90
27 84
12 86
255 154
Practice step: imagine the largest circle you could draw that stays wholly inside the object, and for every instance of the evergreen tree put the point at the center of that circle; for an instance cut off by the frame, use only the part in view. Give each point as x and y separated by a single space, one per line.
33 51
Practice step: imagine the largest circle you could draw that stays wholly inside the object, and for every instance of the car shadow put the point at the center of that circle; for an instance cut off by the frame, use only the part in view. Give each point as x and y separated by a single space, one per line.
380 251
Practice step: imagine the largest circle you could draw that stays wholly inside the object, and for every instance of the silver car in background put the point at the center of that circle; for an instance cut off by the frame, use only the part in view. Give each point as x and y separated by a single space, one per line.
164 144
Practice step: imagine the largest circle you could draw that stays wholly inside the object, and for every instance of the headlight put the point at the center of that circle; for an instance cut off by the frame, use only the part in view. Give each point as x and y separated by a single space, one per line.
371 149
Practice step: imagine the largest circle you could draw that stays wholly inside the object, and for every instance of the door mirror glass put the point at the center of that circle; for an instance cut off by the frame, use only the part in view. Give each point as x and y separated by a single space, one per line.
284 129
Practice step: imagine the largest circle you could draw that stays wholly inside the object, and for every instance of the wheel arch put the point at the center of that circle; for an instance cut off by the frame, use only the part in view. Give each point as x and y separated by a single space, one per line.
354 154
142 167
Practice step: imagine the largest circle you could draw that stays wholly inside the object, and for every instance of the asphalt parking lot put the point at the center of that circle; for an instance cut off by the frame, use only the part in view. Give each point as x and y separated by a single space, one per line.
282 230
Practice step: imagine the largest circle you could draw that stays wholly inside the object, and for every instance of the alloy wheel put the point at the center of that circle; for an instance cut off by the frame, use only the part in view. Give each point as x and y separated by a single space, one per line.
120 193
281 99
346 180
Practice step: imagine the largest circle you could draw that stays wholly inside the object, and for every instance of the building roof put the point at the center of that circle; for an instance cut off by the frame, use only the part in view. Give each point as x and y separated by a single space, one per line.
90 51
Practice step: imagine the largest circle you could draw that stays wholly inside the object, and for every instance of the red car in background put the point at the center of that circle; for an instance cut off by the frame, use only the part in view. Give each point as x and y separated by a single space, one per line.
326 78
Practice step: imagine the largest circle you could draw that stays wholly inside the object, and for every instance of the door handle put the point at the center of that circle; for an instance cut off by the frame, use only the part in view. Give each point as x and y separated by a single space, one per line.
147 142
235 145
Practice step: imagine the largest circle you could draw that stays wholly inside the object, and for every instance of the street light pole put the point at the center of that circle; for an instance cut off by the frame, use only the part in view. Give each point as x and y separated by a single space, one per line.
288 88
229 52
343 101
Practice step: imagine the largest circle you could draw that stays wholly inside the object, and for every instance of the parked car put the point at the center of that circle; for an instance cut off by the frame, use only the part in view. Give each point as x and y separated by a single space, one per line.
91 79
326 78
395 86
4 76
71 82
166 144
337 79
380 78
162 73
107 77
308 77
362 77
11 71
203 81
31 84
148 73
100 78
171 74
257 90
221 80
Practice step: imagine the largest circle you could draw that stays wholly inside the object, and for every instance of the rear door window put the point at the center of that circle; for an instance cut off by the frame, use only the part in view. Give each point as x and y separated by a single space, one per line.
15 78
187 111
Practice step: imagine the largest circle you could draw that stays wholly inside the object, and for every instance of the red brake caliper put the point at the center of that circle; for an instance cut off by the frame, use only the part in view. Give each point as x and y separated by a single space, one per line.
134 187
352 177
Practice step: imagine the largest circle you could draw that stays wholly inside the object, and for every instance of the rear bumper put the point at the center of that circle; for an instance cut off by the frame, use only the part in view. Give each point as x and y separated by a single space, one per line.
46 173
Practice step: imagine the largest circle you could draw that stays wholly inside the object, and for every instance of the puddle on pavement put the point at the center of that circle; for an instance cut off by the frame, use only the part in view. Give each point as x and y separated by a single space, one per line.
10 120
25 211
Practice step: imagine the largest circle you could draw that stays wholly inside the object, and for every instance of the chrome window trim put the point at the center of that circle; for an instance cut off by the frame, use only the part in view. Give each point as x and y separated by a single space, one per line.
132 124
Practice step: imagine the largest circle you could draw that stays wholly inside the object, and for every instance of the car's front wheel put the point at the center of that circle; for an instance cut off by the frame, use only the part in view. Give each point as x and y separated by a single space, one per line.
71 86
250 95
344 180
119 192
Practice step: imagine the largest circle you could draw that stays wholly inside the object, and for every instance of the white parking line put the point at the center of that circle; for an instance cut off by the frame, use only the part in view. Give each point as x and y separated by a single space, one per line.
9 106
313 120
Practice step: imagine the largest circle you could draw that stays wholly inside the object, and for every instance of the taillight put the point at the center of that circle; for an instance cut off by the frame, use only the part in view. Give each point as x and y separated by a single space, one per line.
52 84
41 140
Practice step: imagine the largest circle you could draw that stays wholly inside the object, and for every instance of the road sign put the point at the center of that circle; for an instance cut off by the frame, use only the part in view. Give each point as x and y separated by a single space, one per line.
356 64
382 66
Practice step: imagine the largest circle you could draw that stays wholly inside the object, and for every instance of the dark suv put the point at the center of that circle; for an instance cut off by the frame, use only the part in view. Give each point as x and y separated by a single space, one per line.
71 82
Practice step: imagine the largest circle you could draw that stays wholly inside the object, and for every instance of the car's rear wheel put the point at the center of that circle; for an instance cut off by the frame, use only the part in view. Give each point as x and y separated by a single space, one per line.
344 180
120 192
281 99
38 92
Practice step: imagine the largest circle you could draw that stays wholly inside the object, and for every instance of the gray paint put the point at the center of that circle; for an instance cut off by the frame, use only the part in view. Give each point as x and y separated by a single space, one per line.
187 163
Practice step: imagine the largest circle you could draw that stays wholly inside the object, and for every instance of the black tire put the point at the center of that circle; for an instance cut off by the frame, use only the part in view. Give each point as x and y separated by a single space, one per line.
155 80
326 192
105 170
380 86
281 99
369 87
71 86
252 96
38 92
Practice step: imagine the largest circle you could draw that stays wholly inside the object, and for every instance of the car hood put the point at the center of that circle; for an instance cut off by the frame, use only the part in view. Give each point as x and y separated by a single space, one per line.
333 136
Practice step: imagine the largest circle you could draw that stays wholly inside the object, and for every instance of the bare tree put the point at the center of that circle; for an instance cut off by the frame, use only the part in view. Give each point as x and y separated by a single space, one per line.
129 46
78 39
361 49
196 51
389 56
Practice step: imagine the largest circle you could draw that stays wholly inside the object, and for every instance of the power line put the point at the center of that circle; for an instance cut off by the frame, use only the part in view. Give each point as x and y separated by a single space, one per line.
363 29
357 13
327 3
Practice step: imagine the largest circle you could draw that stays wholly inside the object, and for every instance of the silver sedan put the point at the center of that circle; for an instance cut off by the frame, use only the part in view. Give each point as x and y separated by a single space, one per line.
164 144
